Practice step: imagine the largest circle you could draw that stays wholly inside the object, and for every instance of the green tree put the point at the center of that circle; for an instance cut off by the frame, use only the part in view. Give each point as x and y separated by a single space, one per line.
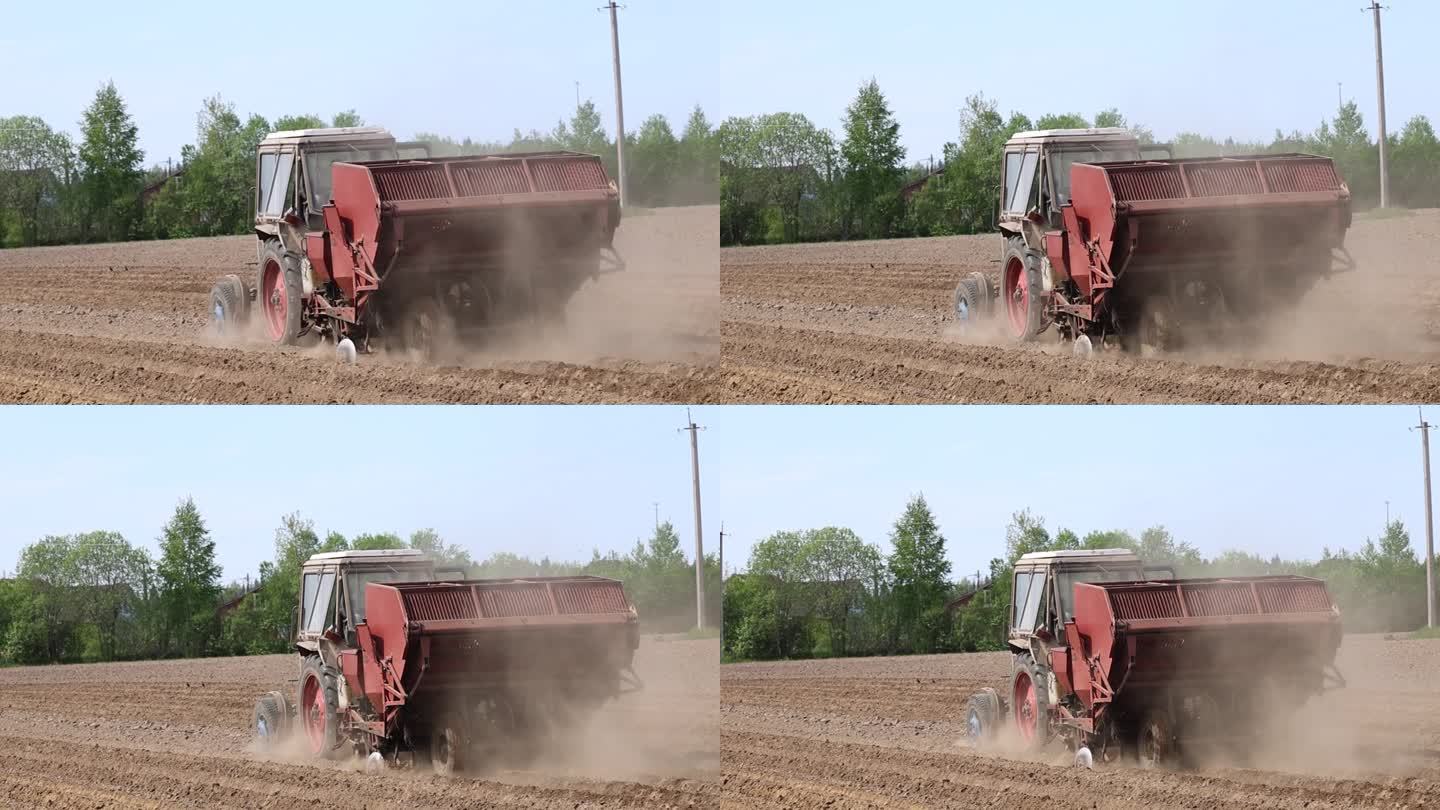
781 163
110 576
1415 165
347 118
918 571
215 196
871 159
110 166
286 123
47 566
383 540
189 580
656 162
1062 121
699 160
36 168
445 556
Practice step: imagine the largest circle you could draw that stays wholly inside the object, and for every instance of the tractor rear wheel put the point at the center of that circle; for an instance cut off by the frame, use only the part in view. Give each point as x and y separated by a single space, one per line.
279 295
1030 703
1023 293
229 306
271 721
319 708
983 715
1155 744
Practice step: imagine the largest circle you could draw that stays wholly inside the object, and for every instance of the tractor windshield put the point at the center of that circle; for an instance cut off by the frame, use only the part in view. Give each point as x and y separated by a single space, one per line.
355 583
1067 579
1062 158
317 166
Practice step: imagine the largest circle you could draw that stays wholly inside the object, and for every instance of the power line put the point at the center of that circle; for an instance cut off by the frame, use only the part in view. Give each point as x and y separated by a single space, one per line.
1375 8
613 7
1424 428
694 430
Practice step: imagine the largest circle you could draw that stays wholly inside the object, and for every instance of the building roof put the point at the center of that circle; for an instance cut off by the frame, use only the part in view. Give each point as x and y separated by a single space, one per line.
388 554
329 134
1091 134
1097 554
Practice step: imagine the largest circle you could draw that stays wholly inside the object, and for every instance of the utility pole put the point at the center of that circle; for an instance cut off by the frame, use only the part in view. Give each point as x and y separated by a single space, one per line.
1375 7
577 95
694 430
656 504
722 580
620 104
1424 428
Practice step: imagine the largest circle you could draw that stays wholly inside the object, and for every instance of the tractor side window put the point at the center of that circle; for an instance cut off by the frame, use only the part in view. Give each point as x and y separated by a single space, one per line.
265 180
1012 174
1020 195
1022 589
280 188
1030 614
307 598
323 607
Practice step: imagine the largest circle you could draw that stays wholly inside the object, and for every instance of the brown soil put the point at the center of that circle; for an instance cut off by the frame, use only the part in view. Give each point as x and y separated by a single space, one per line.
890 731
176 734
128 322
871 322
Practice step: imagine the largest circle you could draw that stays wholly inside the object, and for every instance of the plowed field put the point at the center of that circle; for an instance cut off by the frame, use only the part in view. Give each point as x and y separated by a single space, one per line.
127 322
176 734
884 732
871 322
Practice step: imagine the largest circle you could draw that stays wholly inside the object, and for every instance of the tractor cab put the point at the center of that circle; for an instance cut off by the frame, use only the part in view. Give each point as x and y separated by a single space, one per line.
332 588
1043 590
292 170
1036 169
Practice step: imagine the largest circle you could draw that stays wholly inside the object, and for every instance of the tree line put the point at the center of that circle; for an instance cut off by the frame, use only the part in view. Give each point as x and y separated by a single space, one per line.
783 179
827 592
95 596
55 190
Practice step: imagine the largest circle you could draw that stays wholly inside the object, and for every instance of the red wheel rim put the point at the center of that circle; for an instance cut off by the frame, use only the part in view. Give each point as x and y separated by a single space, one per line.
272 291
312 712
1026 710
1017 296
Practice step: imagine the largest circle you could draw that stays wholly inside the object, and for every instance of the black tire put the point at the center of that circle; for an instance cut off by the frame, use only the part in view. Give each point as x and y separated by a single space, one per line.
314 667
971 306
1155 741
447 751
271 721
983 715
1032 324
1025 665
229 306
287 331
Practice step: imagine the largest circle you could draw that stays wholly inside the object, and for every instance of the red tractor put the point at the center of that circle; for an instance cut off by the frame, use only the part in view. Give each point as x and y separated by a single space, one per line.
399 661
360 237
1127 661
1102 242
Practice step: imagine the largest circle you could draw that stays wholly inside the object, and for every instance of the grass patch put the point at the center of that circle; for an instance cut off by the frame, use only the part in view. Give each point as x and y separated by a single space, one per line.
1385 213
697 633
1426 632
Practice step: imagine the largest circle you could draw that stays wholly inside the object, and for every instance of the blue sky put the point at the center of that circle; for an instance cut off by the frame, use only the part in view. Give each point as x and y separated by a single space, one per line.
1221 67
560 481
458 68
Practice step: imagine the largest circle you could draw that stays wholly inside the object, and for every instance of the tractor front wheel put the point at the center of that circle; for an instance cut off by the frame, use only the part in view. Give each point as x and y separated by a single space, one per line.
983 716
229 306
270 721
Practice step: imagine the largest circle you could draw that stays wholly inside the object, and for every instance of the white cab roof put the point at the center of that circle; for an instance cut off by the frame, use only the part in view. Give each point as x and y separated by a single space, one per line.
1093 134
1082 555
385 554
329 134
